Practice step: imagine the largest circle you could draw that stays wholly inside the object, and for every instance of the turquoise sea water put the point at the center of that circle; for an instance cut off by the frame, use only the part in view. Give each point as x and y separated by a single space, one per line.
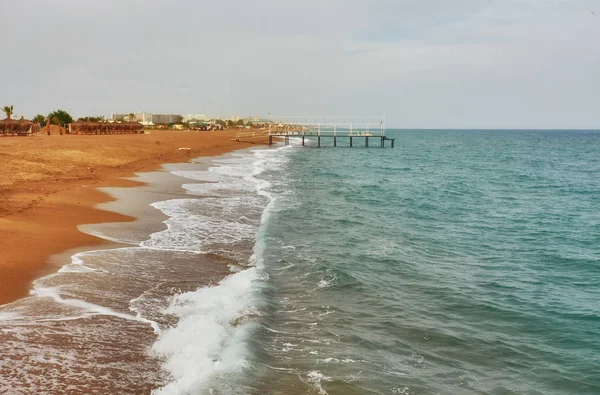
460 262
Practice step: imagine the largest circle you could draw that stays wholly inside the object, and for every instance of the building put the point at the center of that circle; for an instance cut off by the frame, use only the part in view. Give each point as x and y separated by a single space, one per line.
166 119
120 117
148 119
196 118
145 118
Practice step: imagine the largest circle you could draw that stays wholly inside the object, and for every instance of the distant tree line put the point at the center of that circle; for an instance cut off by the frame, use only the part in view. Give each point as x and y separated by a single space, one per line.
233 123
91 119
40 119
62 118
58 117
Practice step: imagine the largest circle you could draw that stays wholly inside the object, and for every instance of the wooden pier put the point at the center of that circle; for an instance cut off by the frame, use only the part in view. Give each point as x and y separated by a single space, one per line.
326 131
353 140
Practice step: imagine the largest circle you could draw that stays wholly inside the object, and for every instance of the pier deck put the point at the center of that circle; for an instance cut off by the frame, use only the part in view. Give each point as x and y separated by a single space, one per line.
351 138
336 130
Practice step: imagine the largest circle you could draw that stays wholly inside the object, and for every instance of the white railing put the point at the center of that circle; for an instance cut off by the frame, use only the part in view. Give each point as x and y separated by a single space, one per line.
252 135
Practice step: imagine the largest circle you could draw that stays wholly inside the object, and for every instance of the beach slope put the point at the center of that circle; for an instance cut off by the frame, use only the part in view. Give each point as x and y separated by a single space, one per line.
48 186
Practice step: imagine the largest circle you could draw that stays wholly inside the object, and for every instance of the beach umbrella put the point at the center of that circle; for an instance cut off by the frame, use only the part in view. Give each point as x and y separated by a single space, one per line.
3 126
22 126
8 126
76 127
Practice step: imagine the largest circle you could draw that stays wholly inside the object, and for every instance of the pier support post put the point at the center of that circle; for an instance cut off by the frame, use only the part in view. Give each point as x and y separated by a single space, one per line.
303 140
334 141
350 141
366 142
319 141
393 142
287 140
270 140
382 142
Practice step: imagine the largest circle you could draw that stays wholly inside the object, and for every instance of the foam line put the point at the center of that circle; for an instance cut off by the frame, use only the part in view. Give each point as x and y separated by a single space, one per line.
216 313
210 340
92 309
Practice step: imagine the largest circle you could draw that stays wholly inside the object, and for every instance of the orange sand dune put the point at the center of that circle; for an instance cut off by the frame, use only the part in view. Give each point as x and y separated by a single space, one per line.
48 187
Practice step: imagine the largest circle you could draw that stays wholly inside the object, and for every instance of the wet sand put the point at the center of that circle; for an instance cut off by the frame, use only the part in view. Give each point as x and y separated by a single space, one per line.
48 186
85 326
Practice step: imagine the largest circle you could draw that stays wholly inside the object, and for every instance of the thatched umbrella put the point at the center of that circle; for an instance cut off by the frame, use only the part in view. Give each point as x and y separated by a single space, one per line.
87 127
8 126
134 127
12 127
36 128
4 125
23 126
77 127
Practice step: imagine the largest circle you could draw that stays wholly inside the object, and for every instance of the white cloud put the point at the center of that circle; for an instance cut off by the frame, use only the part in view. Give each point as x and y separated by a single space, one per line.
426 63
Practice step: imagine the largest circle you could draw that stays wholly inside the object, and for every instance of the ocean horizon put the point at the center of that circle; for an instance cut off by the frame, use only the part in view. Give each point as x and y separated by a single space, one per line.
463 261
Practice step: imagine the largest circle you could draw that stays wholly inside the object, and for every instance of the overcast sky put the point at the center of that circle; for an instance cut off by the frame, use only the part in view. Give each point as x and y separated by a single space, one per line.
425 63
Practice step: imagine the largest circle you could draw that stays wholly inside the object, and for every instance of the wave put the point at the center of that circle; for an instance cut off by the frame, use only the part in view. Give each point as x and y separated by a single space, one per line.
211 334
211 338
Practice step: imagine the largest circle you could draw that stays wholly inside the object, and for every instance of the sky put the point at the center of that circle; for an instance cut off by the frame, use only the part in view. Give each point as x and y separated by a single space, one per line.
422 63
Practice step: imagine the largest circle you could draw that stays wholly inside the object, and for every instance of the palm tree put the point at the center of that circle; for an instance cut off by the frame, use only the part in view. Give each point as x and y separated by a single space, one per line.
8 110
131 117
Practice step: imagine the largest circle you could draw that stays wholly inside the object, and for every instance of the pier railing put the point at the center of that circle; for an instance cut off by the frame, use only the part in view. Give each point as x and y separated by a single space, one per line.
264 136
252 136
320 127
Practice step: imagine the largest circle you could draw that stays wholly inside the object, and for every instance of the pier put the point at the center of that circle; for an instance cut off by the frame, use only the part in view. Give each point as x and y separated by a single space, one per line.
325 131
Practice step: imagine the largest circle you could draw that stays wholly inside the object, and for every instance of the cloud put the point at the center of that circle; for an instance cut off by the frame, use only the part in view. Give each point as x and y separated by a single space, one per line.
426 63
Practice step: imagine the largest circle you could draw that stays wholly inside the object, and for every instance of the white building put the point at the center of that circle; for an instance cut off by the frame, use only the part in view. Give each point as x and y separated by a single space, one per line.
145 118
196 118
148 118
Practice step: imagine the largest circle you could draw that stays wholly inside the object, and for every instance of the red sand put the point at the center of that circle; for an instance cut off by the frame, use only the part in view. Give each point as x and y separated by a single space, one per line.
48 187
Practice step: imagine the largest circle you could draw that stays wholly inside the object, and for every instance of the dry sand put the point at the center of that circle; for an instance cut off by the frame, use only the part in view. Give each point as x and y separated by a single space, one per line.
48 187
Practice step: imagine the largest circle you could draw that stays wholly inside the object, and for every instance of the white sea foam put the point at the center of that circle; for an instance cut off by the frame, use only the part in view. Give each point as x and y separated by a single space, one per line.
210 338
324 283
88 309
9 316
106 237
231 192
77 265
213 325
187 231
210 335
337 360
315 378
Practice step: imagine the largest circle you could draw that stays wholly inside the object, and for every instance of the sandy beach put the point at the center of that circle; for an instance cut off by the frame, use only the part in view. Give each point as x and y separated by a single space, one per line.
48 186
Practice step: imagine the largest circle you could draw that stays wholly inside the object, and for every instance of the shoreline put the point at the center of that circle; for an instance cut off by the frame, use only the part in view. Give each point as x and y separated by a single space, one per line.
107 314
40 218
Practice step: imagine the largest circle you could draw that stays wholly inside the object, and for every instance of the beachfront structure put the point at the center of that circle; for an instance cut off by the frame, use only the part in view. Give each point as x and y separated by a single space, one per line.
148 118
196 118
145 118
18 127
317 128
86 127
165 119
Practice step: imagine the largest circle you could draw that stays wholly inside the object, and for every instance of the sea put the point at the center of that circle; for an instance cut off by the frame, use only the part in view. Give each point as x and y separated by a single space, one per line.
458 262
